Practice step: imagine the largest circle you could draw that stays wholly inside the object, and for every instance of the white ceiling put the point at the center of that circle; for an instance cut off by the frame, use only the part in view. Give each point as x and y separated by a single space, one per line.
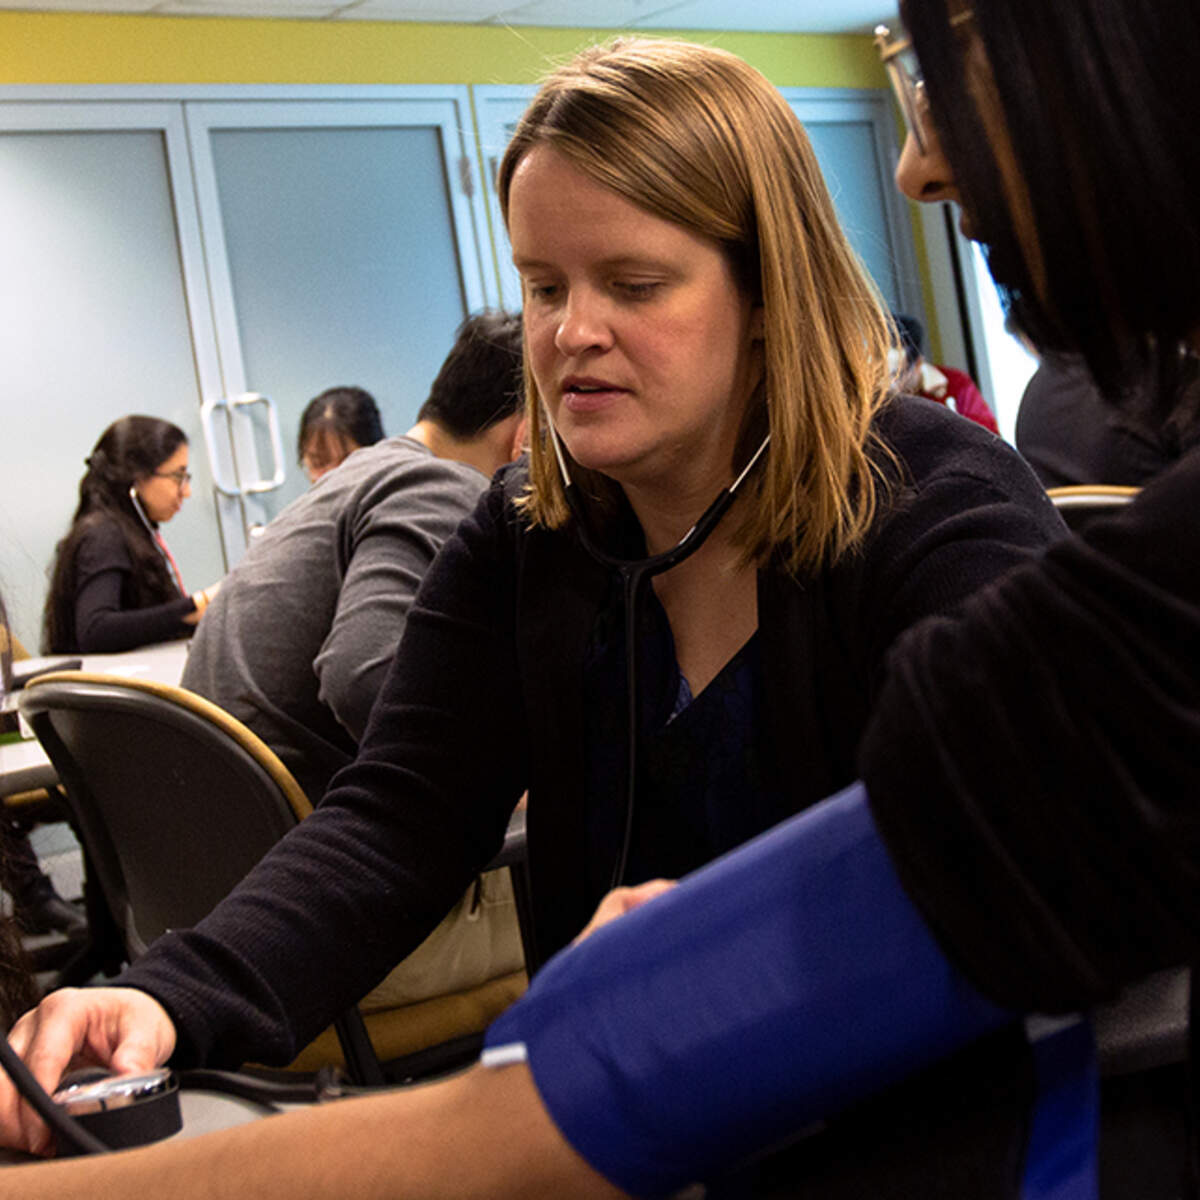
764 16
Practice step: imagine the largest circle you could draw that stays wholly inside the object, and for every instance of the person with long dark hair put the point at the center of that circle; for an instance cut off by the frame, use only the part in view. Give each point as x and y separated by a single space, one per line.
114 584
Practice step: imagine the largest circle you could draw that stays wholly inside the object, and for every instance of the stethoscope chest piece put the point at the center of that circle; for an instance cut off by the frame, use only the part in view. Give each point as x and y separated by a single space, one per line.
123 1110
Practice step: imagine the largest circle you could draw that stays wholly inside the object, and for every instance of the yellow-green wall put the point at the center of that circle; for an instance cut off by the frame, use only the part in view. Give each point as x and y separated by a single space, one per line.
95 48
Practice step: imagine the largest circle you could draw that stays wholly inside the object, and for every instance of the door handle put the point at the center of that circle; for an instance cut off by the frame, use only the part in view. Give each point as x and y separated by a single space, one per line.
243 483
263 484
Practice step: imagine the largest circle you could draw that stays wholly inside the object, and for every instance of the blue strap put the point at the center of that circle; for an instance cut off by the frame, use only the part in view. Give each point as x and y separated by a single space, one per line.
1061 1153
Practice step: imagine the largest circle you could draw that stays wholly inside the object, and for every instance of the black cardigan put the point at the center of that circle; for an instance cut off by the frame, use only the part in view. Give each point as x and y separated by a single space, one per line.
485 699
106 615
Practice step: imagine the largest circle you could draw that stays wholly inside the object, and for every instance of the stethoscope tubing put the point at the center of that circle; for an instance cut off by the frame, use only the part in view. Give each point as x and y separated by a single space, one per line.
633 574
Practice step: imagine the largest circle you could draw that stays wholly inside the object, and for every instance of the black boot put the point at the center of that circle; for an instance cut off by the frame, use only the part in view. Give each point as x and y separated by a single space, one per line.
50 913
37 907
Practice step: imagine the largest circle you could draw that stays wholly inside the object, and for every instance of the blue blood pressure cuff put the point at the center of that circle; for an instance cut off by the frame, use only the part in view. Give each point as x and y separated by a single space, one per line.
767 991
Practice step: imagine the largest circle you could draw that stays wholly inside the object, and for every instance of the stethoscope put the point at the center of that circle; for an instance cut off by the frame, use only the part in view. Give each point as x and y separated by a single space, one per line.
633 574
155 537
136 501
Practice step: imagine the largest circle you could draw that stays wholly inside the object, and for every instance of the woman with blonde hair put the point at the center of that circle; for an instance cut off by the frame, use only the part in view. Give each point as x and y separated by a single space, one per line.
669 626
740 174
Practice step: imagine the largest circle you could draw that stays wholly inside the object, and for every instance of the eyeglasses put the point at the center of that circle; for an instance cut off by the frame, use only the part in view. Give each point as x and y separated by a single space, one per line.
904 72
181 478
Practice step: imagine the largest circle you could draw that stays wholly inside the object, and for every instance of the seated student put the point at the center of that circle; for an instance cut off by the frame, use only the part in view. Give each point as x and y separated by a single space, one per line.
298 642
114 585
696 329
947 385
334 425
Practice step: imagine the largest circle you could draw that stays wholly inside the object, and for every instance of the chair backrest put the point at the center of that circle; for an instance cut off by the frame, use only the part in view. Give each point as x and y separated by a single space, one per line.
174 800
1079 503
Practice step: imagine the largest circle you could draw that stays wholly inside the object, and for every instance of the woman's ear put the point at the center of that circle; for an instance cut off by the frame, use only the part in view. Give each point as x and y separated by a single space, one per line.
520 438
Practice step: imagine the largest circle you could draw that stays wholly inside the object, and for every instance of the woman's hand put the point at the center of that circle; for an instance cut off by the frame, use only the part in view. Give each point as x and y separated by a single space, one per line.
122 1029
622 900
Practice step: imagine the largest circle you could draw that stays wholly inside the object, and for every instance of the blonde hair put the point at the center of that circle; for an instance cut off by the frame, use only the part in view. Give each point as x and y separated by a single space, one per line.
696 136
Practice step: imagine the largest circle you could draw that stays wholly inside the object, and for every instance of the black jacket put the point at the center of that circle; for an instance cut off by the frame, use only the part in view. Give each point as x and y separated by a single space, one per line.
1056 851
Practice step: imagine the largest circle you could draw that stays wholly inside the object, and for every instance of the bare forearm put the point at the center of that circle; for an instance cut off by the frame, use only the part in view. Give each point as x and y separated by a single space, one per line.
481 1135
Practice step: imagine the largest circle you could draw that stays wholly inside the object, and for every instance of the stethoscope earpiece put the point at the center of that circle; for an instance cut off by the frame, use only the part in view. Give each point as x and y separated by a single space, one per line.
136 501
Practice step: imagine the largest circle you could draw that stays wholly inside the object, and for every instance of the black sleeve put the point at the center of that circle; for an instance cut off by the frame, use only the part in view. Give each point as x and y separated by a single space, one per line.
394 843
103 624
1034 762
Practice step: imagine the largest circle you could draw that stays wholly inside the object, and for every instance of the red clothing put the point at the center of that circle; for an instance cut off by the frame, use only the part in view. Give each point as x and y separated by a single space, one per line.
957 386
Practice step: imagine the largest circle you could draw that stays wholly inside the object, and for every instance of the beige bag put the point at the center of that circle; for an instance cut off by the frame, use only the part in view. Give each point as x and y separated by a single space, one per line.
478 939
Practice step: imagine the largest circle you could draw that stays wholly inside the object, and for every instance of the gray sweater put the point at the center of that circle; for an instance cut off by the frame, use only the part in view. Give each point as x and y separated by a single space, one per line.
298 640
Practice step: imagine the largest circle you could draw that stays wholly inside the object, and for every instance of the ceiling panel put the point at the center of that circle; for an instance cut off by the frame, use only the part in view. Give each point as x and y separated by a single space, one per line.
131 6
459 12
768 16
599 14
439 11
778 16
298 9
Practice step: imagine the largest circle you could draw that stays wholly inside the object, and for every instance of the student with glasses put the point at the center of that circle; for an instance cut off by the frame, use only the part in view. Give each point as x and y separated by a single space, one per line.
1024 838
114 584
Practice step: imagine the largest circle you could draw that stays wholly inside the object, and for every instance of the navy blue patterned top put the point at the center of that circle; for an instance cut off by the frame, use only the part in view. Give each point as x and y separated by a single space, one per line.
701 789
